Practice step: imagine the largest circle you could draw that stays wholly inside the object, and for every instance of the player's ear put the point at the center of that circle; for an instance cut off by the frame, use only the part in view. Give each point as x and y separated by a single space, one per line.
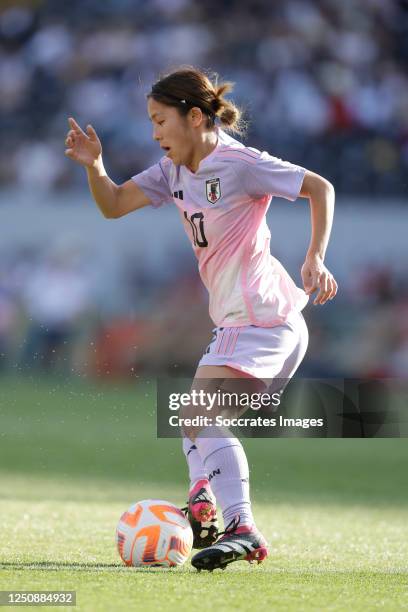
196 116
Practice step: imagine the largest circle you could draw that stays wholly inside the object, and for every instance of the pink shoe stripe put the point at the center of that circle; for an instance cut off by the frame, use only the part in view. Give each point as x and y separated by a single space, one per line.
258 555
206 510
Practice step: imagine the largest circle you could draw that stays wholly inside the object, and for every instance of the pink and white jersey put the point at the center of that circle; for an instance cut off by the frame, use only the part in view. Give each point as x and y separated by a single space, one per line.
223 206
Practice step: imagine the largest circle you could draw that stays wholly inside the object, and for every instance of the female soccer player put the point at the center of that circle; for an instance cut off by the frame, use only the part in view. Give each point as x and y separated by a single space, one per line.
222 190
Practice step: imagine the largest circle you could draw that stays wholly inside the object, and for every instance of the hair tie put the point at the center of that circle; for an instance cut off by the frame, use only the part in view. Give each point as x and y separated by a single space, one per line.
216 104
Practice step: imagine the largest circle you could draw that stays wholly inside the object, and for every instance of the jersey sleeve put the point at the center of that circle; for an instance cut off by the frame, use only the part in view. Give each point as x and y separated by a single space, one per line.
267 175
154 183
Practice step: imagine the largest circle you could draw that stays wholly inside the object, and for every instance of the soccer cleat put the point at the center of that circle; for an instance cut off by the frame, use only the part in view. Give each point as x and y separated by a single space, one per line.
202 514
201 503
236 544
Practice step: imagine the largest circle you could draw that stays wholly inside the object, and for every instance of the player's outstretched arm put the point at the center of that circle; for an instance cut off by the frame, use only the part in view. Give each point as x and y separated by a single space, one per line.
113 200
315 275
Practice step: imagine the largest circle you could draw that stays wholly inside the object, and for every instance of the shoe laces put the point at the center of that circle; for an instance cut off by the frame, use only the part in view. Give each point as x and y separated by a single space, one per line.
231 527
187 508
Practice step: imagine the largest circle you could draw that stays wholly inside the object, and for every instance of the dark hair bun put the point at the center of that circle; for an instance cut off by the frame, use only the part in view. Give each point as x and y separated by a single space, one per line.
189 86
229 115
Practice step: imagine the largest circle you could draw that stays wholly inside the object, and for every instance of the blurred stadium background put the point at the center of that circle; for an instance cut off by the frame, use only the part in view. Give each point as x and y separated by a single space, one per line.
324 84
86 301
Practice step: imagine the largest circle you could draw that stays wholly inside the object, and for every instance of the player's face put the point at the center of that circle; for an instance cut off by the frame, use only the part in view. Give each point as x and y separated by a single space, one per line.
172 131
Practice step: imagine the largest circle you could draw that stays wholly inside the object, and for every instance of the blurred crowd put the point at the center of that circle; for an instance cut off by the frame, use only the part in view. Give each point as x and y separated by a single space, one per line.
53 320
324 83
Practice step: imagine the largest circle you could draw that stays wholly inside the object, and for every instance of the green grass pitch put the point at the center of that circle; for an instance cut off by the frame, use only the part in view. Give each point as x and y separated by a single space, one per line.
73 457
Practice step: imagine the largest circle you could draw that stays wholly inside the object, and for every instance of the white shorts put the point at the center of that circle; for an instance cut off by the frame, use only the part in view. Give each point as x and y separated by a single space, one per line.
265 353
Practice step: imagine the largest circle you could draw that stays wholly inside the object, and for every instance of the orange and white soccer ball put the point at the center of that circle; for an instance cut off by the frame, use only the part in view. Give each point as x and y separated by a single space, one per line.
154 532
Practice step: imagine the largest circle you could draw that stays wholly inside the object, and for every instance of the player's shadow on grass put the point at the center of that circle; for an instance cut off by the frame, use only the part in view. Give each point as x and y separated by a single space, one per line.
88 567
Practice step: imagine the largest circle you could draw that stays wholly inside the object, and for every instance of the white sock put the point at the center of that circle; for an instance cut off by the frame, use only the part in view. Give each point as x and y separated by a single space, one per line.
196 469
228 472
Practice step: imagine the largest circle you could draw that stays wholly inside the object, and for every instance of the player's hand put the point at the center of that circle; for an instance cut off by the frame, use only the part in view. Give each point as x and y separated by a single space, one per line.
316 276
84 148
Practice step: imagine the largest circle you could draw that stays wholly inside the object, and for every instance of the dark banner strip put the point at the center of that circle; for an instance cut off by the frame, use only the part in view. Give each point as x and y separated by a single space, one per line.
325 408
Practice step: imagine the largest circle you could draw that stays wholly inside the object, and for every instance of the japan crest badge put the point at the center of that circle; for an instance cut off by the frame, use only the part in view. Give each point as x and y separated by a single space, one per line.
213 189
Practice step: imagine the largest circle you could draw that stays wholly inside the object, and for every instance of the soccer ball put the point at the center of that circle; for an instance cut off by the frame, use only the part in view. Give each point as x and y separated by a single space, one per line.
154 532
